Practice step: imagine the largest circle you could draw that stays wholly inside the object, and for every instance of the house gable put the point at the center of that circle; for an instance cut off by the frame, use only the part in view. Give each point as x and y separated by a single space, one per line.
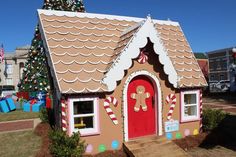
85 51
132 50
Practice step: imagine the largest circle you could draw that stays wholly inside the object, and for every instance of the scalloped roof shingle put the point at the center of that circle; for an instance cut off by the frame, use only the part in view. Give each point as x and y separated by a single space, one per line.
83 46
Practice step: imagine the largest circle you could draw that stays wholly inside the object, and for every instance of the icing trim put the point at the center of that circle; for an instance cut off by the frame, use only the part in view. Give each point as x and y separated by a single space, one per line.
132 50
101 16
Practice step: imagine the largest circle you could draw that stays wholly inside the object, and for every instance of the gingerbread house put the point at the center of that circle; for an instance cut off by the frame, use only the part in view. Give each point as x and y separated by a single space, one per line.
121 78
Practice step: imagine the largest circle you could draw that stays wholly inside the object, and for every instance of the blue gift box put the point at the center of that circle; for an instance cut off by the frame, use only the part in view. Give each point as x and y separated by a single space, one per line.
37 107
4 106
11 104
26 107
7 105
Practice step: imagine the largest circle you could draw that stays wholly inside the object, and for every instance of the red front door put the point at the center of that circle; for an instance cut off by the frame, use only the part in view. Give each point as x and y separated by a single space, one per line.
141 107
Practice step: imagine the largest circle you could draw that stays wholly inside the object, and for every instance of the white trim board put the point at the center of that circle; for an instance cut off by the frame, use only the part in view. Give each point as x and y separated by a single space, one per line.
132 50
157 88
86 131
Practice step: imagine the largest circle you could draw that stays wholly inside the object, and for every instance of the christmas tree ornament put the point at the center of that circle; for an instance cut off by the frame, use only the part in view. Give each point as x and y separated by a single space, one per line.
34 52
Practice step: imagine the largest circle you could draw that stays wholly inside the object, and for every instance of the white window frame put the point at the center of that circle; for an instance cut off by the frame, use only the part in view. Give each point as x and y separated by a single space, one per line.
190 118
88 131
9 69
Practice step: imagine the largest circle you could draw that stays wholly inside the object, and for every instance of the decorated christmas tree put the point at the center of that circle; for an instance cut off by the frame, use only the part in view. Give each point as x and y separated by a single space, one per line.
35 75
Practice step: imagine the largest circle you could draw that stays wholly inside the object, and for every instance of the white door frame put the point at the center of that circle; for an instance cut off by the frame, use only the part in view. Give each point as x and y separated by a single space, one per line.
157 88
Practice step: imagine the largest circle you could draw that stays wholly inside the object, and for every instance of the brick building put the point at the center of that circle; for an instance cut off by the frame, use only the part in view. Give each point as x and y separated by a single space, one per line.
203 63
12 67
221 77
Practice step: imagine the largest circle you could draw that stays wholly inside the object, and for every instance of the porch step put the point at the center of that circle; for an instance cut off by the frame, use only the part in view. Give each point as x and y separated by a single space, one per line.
153 146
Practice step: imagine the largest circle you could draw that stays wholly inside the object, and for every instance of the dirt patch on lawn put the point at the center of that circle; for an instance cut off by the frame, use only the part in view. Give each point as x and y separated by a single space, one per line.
117 153
191 141
42 130
223 136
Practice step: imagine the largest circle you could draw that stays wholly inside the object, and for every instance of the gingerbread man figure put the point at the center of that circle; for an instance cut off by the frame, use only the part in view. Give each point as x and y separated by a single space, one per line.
140 97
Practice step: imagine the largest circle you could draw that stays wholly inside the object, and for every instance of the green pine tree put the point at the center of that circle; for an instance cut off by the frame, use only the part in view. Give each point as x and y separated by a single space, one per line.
35 75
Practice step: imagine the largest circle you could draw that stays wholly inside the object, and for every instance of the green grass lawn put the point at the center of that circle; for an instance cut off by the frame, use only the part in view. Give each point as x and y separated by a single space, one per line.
17 115
19 144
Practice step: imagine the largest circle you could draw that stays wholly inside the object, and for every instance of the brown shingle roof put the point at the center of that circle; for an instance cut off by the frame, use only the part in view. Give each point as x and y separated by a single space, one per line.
83 46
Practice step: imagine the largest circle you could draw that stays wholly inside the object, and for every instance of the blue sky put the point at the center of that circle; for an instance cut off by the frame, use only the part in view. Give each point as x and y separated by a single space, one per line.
207 24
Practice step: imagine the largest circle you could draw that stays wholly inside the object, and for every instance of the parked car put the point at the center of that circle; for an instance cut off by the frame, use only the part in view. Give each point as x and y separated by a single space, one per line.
219 86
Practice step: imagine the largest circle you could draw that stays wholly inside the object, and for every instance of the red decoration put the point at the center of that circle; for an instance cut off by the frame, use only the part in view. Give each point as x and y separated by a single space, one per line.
63 115
111 100
200 130
234 55
48 102
33 101
171 100
141 123
24 95
142 57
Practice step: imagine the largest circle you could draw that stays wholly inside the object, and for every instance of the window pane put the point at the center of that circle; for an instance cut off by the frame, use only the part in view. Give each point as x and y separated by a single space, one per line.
9 68
83 107
190 98
190 110
83 122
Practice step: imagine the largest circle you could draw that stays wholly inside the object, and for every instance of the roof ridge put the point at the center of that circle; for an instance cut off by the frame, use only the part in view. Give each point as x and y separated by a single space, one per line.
102 16
131 28
125 32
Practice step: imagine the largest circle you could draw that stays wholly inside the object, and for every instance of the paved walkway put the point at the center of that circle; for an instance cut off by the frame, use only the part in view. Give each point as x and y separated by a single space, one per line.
18 125
230 108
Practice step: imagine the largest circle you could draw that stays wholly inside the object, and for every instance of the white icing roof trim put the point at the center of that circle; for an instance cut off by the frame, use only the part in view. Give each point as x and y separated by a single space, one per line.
124 61
101 16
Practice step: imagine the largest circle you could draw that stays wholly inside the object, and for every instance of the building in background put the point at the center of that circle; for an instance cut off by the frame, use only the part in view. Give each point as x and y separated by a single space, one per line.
11 68
221 73
203 63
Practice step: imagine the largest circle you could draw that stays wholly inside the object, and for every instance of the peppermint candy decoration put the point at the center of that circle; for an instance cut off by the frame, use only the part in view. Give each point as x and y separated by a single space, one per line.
63 116
111 100
171 100
142 58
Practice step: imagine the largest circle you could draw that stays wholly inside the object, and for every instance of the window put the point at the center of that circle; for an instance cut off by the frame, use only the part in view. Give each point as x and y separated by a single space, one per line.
9 81
189 105
212 78
222 77
9 68
84 116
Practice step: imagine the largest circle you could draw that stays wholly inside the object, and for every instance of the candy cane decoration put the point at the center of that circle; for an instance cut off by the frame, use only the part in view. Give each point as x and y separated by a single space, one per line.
63 115
171 99
142 58
109 111
200 111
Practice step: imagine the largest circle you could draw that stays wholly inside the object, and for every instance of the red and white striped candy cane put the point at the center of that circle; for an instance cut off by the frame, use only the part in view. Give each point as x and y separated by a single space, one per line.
63 115
171 99
111 100
200 129
142 58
